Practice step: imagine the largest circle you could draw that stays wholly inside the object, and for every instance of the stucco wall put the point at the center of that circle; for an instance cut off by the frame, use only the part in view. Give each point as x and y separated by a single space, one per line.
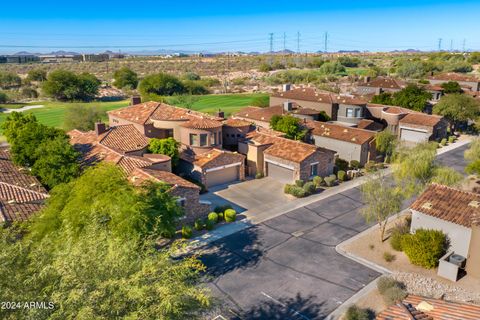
459 235
475 85
231 135
254 157
173 125
346 150
330 109
342 113
185 138
473 262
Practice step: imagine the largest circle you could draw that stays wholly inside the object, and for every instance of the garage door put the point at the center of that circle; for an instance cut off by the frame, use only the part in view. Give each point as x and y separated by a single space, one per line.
413 135
222 176
279 173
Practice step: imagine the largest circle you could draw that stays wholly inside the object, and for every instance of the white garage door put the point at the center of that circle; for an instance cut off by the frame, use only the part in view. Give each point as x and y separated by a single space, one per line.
279 173
222 176
413 135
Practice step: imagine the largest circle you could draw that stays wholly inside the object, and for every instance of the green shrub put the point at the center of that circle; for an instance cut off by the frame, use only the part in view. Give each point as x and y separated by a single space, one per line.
222 208
342 175
385 283
288 188
209 224
387 256
396 240
357 313
341 164
452 139
394 295
259 175
221 216
317 180
297 192
425 247
371 166
309 188
198 225
354 164
443 142
230 215
213 216
330 180
187 232
299 183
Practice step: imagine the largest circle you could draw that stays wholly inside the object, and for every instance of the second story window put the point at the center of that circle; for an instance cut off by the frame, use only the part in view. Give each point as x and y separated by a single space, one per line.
358 112
213 138
193 139
203 139
349 112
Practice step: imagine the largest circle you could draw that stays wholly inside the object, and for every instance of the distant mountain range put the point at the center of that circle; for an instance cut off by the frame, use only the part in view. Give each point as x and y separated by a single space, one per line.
56 53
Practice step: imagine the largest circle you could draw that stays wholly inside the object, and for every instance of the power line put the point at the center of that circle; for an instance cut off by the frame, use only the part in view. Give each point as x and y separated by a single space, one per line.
298 42
326 41
463 45
271 42
439 44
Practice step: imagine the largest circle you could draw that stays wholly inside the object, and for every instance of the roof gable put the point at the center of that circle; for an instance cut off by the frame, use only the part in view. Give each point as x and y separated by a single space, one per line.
338 132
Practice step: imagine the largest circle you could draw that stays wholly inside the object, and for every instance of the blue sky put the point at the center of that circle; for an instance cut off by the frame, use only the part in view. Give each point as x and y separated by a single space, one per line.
92 26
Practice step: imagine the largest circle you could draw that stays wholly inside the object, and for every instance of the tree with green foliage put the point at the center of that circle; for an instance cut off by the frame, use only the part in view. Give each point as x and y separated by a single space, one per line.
168 147
385 143
3 97
349 62
474 58
9 80
82 117
37 74
94 244
125 78
411 69
457 108
67 86
161 84
383 98
56 162
381 201
332 68
458 66
191 76
412 97
472 155
194 87
451 87
289 125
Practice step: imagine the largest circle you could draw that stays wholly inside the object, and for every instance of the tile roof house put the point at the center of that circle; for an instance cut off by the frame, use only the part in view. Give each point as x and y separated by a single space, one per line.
419 127
465 81
138 167
422 308
284 159
349 143
455 213
21 194
379 85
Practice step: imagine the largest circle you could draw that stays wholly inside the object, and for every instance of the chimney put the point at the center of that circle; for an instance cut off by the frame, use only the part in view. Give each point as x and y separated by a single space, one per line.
100 128
287 87
220 114
367 79
135 100
288 106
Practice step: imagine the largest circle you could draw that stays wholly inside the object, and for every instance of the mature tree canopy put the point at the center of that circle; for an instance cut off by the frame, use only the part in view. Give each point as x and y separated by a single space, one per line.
37 75
125 78
9 80
332 68
82 117
161 84
385 143
168 147
457 108
289 125
412 97
66 85
194 87
383 98
472 155
3 97
451 87
411 69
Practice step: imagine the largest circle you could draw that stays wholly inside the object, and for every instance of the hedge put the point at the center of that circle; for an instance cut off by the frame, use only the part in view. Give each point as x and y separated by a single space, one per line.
230 215
187 232
330 180
299 183
425 247
443 142
309 188
198 225
213 216
342 175
354 164
317 180
209 224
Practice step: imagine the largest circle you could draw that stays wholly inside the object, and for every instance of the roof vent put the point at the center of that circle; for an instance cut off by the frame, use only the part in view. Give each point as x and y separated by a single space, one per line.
474 204
12 201
427 205
345 130
425 306
354 139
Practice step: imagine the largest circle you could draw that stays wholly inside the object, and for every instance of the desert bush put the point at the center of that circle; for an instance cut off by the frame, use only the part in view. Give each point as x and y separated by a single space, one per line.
385 283
396 240
187 232
452 139
259 175
221 216
213 216
342 175
298 192
394 295
222 208
387 256
317 180
425 247
288 188
29 93
299 183
370 166
354 164
198 225
443 142
3 97
309 188
357 313
230 215
330 180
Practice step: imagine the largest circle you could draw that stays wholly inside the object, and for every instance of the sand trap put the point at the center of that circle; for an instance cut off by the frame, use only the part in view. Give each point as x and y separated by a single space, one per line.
23 108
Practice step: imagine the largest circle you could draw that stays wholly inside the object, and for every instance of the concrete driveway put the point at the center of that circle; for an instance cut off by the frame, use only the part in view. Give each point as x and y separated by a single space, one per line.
257 193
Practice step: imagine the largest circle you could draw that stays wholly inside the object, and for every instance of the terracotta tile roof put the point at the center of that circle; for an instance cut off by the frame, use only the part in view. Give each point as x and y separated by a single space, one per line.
449 204
433 87
452 76
351 100
201 123
166 112
283 148
139 113
140 175
212 158
21 194
338 132
306 94
306 111
260 114
124 138
383 82
231 122
394 110
421 119
421 308
368 124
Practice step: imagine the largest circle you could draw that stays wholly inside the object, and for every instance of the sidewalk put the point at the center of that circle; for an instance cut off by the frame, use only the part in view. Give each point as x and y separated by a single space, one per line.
260 214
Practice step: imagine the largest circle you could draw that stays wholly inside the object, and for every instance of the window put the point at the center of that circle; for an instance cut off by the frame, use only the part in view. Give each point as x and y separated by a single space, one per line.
169 133
203 139
313 170
181 202
193 139
358 112
349 112
238 135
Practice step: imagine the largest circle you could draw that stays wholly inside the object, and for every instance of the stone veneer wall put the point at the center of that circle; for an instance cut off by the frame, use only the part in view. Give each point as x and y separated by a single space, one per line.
193 208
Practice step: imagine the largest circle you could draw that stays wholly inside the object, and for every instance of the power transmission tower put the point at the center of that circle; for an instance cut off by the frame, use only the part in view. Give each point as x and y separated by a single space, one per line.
463 45
439 44
298 42
284 42
271 41
326 41
451 45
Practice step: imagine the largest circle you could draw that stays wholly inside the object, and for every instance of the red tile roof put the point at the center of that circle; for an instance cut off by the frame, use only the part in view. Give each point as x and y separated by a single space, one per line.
368 124
306 94
260 114
212 158
124 138
139 113
351 100
383 82
421 308
236 123
201 123
449 204
421 119
452 76
338 132
140 175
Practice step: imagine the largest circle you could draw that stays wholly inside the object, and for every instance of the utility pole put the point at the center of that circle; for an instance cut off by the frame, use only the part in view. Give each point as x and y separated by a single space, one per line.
298 42
451 45
439 44
271 41
284 42
326 42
